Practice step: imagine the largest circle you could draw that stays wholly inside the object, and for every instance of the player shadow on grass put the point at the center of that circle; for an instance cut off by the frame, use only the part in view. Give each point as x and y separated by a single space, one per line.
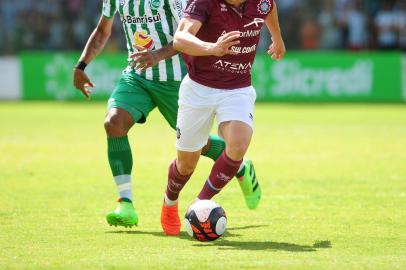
225 244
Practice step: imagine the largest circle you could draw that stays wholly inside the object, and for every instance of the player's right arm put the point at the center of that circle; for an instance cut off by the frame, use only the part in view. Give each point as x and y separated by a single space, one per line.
94 46
185 40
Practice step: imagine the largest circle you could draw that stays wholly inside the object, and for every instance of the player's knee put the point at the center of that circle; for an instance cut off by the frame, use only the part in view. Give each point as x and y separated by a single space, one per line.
236 151
114 125
185 167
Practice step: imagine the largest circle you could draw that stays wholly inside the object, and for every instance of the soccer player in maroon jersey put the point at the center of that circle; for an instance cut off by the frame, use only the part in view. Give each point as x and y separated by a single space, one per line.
218 39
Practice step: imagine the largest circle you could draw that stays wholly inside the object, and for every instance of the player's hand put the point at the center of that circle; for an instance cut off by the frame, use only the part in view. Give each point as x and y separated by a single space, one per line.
277 49
224 44
143 59
82 82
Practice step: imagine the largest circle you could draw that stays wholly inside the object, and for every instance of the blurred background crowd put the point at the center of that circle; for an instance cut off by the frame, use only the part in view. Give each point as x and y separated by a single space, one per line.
306 25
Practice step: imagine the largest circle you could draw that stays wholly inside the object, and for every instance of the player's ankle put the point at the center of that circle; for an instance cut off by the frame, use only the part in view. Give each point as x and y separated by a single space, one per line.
169 202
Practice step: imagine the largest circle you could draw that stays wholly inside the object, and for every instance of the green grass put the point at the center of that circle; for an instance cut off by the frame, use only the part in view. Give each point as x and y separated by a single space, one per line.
333 177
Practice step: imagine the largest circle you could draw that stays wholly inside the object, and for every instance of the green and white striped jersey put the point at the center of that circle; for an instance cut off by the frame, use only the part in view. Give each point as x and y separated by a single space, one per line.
150 24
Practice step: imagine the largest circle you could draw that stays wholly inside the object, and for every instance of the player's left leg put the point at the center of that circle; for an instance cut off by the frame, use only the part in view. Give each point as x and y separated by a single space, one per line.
117 124
237 136
235 115
165 96
246 174
129 104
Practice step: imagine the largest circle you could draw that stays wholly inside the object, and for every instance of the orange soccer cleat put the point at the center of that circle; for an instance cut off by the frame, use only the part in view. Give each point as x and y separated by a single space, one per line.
170 219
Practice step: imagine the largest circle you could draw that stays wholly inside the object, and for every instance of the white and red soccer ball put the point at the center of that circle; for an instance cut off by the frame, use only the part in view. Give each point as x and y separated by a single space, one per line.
205 220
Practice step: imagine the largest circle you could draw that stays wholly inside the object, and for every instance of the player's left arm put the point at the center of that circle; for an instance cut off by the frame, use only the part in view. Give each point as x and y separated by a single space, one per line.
277 49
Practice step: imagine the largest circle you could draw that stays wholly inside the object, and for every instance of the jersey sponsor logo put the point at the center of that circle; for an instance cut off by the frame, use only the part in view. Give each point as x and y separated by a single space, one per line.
249 49
257 21
244 34
264 6
144 19
143 40
154 4
238 68
178 7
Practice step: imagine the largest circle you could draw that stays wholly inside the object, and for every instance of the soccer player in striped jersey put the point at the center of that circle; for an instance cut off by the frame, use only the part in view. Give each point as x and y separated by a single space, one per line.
151 79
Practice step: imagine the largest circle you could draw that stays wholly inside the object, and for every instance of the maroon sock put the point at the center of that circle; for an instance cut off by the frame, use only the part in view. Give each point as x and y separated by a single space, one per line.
224 169
176 182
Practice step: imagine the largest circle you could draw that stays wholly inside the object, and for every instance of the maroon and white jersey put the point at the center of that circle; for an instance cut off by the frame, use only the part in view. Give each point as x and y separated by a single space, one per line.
218 18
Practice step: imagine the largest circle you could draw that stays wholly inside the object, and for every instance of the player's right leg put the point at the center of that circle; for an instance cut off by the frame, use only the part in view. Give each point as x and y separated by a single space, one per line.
165 95
179 173
129 104
194 123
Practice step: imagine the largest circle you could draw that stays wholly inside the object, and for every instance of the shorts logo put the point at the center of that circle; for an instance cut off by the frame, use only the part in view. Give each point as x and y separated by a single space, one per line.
178 133
251 117
154 4
264 6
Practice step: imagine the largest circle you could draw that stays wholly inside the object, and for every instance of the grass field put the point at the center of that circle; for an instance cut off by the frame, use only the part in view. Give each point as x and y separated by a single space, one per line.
333 177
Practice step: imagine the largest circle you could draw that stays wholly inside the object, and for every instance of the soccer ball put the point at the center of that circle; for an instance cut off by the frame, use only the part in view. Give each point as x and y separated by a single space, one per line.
205 220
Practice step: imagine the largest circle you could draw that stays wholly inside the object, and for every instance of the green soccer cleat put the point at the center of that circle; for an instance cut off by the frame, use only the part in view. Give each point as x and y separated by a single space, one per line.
250 186
124 215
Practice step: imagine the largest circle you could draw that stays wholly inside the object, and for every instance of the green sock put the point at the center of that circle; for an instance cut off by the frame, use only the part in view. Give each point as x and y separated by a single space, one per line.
121 163
216 148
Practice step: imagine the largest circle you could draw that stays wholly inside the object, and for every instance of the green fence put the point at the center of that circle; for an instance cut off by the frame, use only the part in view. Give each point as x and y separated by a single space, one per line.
48 76
375 77
317 77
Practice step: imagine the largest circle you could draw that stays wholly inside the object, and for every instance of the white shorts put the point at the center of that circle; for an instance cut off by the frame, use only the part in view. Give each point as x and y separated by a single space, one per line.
199 104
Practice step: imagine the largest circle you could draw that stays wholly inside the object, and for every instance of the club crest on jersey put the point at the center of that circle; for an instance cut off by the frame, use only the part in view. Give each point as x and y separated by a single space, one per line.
264 6
223 7
154 4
